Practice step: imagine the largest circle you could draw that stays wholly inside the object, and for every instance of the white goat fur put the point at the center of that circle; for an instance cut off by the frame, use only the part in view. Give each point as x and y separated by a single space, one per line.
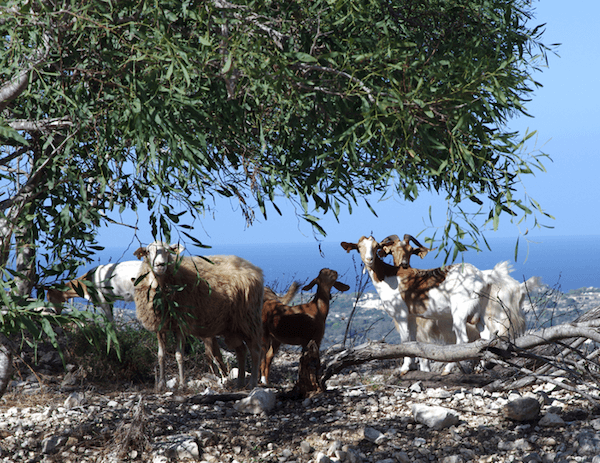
459 291
107 283
504 314
221 297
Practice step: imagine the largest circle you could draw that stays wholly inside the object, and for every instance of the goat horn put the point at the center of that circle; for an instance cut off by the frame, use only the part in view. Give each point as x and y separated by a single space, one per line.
413 239
389 240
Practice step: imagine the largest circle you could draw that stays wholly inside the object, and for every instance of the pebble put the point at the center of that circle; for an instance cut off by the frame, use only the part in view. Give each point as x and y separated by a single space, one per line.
372 425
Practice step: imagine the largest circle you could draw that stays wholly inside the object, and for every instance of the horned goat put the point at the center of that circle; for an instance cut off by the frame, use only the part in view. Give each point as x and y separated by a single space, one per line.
297 325
101 285
459 291
504 315
201 297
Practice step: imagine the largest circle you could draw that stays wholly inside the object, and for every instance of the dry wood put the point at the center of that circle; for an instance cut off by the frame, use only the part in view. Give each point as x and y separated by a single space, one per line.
308 371
499 348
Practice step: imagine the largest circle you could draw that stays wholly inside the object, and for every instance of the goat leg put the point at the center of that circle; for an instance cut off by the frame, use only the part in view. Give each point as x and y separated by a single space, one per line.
162 344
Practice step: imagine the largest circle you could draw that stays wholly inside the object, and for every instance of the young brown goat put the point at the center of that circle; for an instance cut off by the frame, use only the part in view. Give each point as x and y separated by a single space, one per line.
297 325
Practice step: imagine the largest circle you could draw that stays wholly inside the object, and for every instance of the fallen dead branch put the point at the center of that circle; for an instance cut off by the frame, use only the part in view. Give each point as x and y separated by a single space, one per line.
499 350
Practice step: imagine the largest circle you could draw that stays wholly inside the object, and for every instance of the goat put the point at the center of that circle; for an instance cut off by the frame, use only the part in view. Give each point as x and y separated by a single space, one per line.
297 325
504 314
203 297
101 285
504 310
458 291
104 284
401 250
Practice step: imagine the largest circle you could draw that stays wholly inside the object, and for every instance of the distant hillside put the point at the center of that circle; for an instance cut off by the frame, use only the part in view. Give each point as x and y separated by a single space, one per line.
547 307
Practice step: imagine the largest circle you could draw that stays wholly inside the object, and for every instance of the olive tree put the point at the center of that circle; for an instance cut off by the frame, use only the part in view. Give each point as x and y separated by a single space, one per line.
110 105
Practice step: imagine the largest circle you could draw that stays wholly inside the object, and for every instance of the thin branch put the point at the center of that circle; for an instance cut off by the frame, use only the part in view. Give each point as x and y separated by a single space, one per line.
45 125
15 154
30 189
19 83
361 84
253 19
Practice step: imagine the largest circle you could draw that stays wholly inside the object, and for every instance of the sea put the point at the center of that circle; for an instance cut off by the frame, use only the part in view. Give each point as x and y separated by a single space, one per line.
563 263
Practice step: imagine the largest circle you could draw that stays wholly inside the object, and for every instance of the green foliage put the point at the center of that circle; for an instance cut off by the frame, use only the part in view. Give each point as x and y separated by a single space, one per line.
321 102
137 348
108 106
24 319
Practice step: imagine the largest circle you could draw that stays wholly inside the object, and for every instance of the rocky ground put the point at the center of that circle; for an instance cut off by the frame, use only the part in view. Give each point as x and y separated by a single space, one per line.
367 414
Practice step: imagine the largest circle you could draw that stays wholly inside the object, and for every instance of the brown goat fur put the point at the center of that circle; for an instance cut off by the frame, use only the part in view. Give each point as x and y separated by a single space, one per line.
299 324
219 297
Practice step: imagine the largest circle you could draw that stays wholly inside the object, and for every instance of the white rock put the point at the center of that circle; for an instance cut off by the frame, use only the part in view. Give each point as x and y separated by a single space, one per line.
182 446
322 458
434 417
438 393
172 383
416 387
305 447
260 400
76 399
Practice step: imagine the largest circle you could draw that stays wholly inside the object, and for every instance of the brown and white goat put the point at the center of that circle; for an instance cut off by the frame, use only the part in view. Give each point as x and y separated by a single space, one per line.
402 250
504 314
459 291
297 325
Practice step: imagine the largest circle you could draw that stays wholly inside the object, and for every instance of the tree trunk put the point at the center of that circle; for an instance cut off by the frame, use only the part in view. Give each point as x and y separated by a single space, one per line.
6 231
309 371
25 265
5 364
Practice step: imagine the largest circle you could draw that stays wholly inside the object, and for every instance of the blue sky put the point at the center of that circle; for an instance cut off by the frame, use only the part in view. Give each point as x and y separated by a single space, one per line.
566 115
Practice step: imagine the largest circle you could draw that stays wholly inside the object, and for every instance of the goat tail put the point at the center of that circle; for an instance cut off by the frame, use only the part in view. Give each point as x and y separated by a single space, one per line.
499 275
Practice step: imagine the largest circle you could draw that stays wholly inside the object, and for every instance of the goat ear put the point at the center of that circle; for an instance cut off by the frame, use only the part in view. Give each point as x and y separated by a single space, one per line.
310 285
422 251
384 250
341 286
140 252
177 248
349 246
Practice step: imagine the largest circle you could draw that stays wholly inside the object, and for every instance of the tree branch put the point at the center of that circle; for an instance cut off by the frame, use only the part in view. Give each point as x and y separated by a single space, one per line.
361 84
459 352
253 19
19 83
13 88
46 125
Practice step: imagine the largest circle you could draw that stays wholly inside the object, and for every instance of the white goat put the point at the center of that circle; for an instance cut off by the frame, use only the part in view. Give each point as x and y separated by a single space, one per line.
102 286
504 314
192 296
459 290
